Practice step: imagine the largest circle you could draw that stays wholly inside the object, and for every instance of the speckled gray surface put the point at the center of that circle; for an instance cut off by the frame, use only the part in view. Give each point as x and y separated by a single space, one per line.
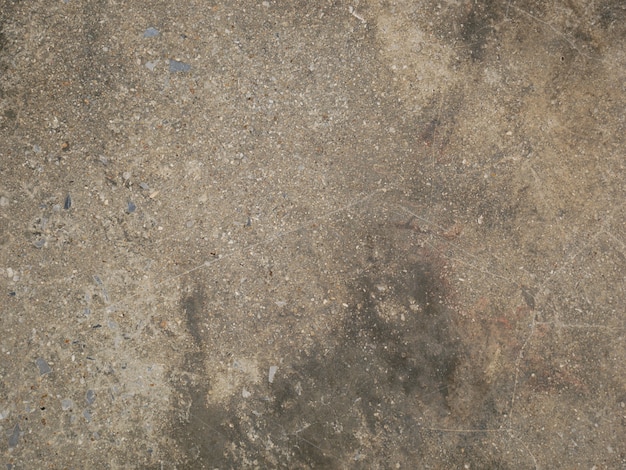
312 234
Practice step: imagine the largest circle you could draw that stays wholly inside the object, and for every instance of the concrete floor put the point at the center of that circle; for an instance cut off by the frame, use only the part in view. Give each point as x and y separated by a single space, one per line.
290 234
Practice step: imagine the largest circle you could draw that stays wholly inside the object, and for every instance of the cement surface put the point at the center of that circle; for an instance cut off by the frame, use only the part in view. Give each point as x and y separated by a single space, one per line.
379 234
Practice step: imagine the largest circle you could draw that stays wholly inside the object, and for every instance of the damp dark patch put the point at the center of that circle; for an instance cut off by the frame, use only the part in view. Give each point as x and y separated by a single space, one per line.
356 397
193 306
204 433
477 26
414 337
436 124
611 13
498 212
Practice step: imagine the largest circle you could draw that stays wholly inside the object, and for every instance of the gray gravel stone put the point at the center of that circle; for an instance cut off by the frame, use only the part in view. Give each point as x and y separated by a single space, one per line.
43 366
150 32
176 66
15 436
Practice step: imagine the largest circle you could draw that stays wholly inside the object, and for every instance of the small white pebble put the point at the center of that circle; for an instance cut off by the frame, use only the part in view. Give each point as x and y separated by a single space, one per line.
273 370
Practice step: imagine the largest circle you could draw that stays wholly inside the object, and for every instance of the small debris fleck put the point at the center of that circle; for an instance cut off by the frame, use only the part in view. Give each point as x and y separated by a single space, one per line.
273 370
39 243
65 146
66 404
176 66
150 32
131 207
15 436
68 202
43 366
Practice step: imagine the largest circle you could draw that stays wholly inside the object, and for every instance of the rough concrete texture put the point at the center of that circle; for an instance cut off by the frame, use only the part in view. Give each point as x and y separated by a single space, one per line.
289 234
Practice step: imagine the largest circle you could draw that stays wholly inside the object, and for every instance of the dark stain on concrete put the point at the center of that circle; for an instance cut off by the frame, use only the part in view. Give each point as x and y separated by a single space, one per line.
348 400
611 13
204 432
477 26
193 306
416 346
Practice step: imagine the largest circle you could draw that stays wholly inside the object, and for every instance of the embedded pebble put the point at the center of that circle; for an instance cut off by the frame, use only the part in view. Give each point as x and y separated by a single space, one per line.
43 366
150 32
273 370
177 66
15 436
